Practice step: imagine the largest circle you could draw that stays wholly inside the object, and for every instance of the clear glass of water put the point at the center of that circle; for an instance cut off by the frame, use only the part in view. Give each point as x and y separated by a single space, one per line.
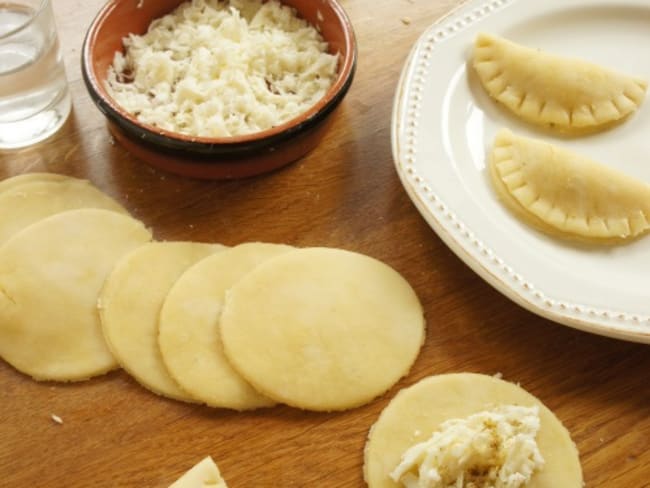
34 97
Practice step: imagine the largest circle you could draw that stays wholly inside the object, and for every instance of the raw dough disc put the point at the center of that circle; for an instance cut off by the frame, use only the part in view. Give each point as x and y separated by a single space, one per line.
130 304
21 179
30 202
51 274
322 329
189 327
416 412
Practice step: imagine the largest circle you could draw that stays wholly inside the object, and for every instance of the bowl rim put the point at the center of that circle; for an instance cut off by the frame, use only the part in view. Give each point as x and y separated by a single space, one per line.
211 145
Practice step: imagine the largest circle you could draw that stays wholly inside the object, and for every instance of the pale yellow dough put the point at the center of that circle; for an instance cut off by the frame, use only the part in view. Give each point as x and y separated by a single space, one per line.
416 412
205 474
543 88
130 303
564 193
189 327
21 179
29 202
51 274
322 329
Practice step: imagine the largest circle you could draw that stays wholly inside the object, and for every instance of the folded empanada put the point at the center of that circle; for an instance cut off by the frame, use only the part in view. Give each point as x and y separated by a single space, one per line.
562 192
562 93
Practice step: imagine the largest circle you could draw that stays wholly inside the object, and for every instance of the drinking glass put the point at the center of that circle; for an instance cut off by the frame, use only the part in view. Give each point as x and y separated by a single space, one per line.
34 97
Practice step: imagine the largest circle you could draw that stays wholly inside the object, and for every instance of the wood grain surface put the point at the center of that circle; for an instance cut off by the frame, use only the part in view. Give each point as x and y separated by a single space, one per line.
344 194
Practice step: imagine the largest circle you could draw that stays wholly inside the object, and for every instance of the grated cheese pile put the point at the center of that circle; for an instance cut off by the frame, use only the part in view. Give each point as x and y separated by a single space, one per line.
216 68
491 449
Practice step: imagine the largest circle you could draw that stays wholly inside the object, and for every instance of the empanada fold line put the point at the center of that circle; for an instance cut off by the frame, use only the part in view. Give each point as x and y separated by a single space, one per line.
564 193
507 167
522 78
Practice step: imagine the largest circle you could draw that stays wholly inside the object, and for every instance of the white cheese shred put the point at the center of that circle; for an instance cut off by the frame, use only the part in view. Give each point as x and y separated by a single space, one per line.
219 68
491 449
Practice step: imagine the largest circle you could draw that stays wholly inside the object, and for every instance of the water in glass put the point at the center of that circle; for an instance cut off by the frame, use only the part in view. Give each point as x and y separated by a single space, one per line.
34 98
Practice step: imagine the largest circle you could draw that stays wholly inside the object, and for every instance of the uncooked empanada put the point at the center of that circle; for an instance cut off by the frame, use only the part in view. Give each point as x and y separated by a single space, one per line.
559 190
543 88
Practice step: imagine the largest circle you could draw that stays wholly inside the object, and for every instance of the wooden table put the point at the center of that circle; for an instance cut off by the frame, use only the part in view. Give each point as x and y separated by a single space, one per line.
344 194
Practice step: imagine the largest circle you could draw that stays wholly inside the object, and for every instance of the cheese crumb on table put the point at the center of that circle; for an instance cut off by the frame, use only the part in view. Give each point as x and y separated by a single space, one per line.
215 68
490 449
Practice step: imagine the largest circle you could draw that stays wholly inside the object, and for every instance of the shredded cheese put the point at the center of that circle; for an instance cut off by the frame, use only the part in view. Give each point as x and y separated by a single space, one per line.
490 449
219 68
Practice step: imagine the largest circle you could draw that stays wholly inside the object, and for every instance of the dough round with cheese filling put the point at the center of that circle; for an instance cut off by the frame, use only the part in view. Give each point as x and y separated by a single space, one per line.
189 327
30 202
130 304
322 329
416 412
51 274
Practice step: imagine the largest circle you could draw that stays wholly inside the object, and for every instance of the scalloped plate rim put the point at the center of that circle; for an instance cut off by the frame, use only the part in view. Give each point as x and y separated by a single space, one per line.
617 324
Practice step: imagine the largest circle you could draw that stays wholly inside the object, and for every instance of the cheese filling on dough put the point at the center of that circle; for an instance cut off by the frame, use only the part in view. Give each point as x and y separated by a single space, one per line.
490 449
216 68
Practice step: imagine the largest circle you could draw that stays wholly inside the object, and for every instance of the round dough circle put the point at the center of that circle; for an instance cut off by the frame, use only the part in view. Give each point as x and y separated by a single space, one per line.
18 180
131 300
189 338
51 274
30 202
416 412
322 329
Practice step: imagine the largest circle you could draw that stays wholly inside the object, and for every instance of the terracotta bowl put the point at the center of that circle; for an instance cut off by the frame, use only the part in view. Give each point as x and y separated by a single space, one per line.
205 157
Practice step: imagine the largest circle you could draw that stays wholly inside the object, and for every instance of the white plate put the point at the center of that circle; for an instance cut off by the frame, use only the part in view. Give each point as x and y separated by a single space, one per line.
443 125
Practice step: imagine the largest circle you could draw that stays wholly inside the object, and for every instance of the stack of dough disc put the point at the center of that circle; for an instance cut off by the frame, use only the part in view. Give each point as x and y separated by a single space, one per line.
82 289
256 324
416 412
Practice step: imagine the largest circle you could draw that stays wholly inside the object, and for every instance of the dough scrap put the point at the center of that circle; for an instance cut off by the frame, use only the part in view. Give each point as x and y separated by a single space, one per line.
415 412
51 274
205 474
322 329
188 334
130 304
565 193
543 88
29 202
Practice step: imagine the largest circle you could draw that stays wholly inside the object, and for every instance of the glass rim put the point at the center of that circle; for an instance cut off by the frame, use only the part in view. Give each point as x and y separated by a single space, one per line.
41 7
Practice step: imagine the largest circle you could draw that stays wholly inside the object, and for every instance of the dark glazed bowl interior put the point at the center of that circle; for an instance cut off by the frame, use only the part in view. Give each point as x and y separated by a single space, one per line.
118 18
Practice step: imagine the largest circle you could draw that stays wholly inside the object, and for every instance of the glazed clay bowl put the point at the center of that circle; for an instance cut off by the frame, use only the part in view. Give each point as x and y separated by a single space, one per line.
222 157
